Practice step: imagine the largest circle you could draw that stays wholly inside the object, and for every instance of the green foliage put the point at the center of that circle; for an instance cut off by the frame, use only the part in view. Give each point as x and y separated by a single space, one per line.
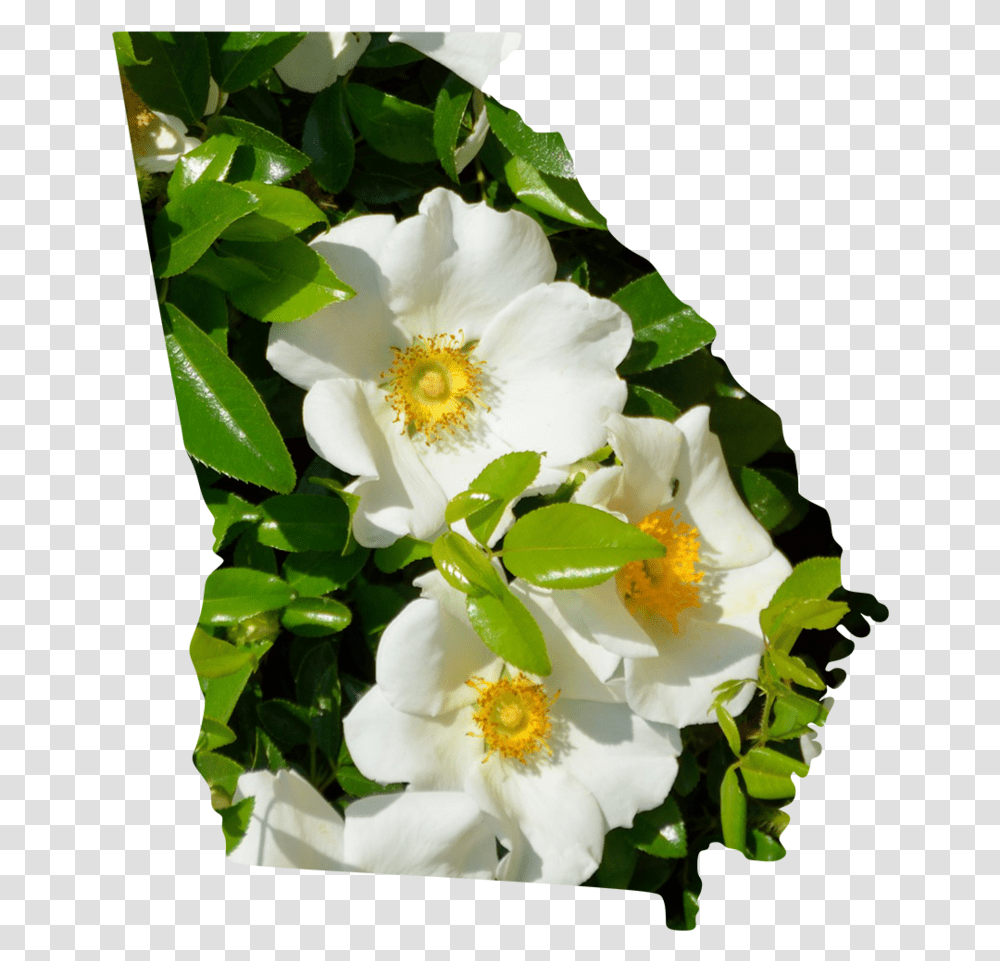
403 552
262 156
235 821
449 110
235 593
328 139
210 161
315 616
281 213
398 129
546 152
238 59
483 504
170 72
303 522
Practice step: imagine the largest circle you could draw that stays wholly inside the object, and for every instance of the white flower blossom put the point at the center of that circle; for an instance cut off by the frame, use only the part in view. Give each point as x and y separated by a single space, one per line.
320 58
689 622
293 826
557 761
458 348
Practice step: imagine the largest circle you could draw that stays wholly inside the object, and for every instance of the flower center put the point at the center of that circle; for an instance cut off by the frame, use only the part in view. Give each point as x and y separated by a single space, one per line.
140 120
513 717
433 385
663 585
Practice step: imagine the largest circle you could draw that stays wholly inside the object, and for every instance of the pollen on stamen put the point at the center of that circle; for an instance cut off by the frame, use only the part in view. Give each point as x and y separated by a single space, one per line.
513 717
434 385
665 585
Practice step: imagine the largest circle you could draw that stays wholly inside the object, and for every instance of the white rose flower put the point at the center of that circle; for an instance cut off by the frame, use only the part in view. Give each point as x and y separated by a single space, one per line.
321 58
458 348
557 761
293 826
687 622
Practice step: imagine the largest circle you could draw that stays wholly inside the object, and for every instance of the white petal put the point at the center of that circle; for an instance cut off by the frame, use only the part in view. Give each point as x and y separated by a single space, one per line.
292 826
347 339
628 764
473 56
431 833
560 820
601 488
551 357
320 58
467 150
743 590
455 265
677 687
349 424
730 535
649 449
434 754
426 656
162 143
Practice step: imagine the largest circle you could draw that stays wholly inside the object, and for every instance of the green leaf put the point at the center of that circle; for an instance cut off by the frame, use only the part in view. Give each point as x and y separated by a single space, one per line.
768 773
238 59
617 860
187 226
213 735
219 771
325 729
285 722
816 578
298 281
303 522
685 382
733 811
328 138
235 593
350 500
546 152
224 421
665 328
236 822
313 573
396 128
282 213
573 546
262 156
788 488
765 501
488 496
228 509
729 728
313 672
203 304
793 714
746 428
763 847
171 72
449 109
559 198
250 552
381 53
464 566
222 693
123 51
794 668
210 161
315 616
508 630
267 753
376 605
357 785
215 658
661 831
400 554
378 180
643 402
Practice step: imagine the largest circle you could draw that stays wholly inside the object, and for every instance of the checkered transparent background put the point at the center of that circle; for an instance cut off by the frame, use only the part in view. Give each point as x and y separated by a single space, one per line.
822 184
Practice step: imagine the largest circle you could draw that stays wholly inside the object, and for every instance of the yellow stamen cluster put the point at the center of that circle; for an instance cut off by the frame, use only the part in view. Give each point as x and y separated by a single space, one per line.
664 585
433 385
139 118
513 716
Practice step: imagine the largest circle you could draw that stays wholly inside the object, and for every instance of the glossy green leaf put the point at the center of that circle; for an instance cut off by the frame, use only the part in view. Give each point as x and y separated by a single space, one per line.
286 722
219 771
239 59
216 658
763 847
381 53
262 156
209 161
233 593
378 180
729 728
249 552
464 566
766 502
400 554
661 831
793 668
236 822
684 382
643 402
783 622
224 421
733 811
508 630
124 52
313 573
357 785
350 500
228 509
222 693
303 522
212 735
816 578
326 732
546 152
315 616
618 860
573 546
501 482
298 283
793 714
171 72
559 198
398 129
449 109
313 672
746 429
328 138
768 773
788 486
267 753
204 304
187 226
282 212
665 328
